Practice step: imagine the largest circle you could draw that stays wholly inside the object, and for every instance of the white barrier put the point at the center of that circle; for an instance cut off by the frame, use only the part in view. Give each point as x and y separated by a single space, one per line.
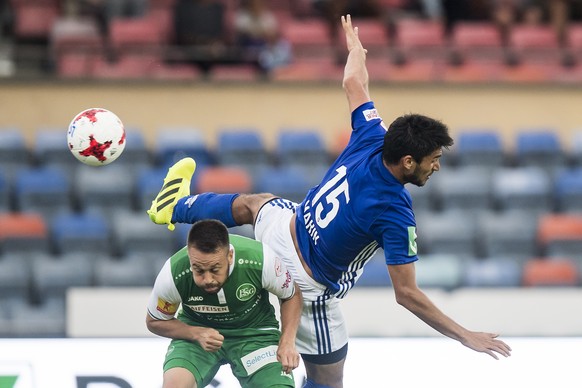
372 362
110 312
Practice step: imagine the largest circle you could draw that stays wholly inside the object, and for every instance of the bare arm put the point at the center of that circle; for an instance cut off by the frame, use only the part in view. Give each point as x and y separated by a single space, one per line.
412 298
290 317
210 339
355 82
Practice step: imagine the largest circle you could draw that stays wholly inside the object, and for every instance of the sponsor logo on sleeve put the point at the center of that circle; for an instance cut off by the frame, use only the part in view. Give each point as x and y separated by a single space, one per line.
287 280
278 267
166 307
370 114
412 248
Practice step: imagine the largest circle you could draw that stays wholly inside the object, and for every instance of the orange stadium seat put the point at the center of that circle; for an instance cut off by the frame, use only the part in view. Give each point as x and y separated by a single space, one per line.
23 232
561 234
550 272
224 180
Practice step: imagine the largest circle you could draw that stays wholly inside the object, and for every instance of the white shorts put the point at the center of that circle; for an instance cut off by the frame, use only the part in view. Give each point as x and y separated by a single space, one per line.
322 329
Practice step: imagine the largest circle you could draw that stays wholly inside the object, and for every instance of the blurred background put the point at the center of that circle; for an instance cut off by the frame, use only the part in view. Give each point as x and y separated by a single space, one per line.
252 90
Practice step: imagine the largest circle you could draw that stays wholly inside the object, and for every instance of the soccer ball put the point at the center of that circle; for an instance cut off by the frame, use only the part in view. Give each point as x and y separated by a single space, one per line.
96 137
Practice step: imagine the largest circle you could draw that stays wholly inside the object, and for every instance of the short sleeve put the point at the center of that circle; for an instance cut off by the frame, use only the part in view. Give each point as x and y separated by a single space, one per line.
277 278
396 229
165 299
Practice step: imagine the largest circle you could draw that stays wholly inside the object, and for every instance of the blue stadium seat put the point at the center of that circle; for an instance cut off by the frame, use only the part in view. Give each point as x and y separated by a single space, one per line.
493 272
175 143
523 188
287 182
575 152
80 232
463 188
479 147
45 189
15 277
106 188
243 147
301 147
568 190
539 148
424 198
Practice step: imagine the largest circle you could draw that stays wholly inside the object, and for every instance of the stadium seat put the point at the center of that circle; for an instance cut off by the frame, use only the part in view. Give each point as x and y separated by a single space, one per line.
561 235
133 232
477 41
532 43
148 183
471 71
23 232
14 152
420 39
234 72
242 147
287 182
439 271
575 151
80 232
374 32
125 272
175 143
301 147
33 20
508 234
450 232
15 278
308 37
375 273
463 188
492 272
568 190
224 180
524 188
424 199
540 148
136 154
53 275
50 148
107 188
479 147
46 320
5 193
75 43
555 272
45 190
140 38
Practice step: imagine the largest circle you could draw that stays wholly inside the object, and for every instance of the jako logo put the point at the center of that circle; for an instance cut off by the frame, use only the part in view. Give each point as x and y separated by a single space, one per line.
245 292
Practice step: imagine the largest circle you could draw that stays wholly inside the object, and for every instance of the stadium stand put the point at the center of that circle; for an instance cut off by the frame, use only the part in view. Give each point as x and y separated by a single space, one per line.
479 147
23 232
106 188
492 272
224 180
526 188
45 190
14 152
80 232
554 272
439 270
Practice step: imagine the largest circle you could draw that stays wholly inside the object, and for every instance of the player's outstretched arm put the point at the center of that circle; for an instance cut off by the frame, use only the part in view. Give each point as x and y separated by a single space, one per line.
412 298
355 82
290 316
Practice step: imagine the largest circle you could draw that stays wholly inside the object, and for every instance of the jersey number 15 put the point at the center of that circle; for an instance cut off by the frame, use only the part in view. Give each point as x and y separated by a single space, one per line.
331 197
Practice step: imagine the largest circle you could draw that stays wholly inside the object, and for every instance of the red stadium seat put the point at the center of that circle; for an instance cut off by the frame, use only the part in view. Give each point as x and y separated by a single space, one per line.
421 39
477 41
34 20
535 44
23 232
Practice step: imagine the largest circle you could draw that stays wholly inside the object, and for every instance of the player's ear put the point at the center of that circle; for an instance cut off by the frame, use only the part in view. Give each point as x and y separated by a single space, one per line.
230 255
407 162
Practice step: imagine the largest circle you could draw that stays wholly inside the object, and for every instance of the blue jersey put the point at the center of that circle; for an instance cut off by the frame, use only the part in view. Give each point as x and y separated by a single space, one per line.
358 207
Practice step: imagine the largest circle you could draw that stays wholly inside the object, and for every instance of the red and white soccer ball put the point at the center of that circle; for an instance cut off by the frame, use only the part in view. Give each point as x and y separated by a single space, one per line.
96 137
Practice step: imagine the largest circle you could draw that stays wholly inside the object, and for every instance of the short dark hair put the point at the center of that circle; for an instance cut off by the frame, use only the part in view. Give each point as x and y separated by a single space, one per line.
208 236
415 135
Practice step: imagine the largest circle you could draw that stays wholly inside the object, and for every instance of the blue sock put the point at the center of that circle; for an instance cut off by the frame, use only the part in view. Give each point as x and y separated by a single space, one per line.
312 384
193 208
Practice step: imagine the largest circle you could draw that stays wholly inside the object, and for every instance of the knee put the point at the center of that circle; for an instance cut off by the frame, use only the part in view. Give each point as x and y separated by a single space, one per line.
246 207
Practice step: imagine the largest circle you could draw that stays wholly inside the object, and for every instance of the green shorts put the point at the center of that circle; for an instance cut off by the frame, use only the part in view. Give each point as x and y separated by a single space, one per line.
253 360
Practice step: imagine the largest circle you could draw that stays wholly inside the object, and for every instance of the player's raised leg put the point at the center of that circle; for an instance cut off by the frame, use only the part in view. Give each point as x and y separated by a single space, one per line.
174 204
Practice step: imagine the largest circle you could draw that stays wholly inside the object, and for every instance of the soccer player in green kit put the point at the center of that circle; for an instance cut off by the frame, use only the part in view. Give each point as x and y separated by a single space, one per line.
222 283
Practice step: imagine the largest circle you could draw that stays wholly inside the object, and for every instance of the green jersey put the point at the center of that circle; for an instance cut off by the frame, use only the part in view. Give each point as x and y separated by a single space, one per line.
242 303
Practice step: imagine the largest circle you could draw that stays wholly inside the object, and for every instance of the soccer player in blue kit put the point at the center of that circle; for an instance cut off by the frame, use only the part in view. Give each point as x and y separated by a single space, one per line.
360 205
